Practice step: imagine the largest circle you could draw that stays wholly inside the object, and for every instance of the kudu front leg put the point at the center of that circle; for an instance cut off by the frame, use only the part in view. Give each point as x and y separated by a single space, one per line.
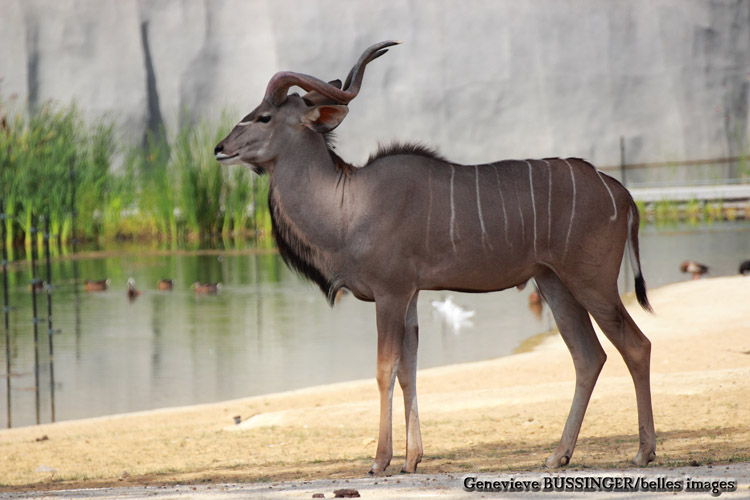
407 378
391 315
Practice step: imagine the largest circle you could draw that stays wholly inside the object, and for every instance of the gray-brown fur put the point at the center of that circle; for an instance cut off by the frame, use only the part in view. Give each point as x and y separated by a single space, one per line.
410 220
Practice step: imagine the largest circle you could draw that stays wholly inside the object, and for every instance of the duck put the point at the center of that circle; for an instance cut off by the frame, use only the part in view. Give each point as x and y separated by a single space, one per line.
536 302
695 268
206 288
745 267
132 291
37 286
96 285
165 284
535 298
453 315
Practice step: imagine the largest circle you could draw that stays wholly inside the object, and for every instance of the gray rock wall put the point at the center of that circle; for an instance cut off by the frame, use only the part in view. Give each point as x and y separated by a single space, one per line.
480 79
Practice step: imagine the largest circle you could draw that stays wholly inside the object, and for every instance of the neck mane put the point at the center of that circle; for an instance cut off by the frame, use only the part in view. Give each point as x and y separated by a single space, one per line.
295 249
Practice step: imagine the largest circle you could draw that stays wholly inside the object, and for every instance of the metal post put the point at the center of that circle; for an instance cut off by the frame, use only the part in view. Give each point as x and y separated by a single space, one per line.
258 302
35 319
50 331
255 209
73 211
73 226
6 308
76 299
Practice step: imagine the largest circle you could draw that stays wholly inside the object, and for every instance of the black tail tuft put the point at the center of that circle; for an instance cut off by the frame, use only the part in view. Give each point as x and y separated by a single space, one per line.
634 221
640 293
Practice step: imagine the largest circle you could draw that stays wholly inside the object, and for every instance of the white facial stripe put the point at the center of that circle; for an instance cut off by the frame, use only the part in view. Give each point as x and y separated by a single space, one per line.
245 123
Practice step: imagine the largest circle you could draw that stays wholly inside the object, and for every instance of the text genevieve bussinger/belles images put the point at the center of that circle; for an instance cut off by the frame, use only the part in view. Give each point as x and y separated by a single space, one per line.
630 484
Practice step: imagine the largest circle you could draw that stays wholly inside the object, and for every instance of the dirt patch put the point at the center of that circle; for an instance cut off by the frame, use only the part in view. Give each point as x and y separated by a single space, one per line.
502 415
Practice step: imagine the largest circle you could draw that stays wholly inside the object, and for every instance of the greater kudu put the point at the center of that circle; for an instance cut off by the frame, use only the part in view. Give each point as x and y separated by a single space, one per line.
409 220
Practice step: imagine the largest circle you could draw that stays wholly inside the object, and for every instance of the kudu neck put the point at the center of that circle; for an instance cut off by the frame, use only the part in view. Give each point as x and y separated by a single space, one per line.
305 186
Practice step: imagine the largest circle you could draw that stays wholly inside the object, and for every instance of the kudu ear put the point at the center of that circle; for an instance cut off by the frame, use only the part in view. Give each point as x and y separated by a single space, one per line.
324 118
317 98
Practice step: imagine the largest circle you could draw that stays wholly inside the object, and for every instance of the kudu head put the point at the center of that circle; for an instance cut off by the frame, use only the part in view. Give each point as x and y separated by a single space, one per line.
275 126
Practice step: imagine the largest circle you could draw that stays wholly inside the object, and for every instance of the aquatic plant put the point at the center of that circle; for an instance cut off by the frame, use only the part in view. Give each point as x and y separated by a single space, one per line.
38 152
52 160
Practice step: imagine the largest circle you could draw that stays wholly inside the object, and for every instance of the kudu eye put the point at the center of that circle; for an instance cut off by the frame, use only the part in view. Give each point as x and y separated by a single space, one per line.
264 118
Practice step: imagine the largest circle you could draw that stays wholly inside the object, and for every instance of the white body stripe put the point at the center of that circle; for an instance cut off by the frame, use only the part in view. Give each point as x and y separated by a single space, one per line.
502 203
479 207
520 214
573 208
533 202
614 205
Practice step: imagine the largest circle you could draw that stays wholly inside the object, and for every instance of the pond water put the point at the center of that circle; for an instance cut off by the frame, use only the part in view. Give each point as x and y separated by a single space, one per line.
266 331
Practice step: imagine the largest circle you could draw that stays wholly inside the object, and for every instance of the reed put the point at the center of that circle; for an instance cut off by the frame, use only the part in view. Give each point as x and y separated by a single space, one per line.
212 200
165 189
37 150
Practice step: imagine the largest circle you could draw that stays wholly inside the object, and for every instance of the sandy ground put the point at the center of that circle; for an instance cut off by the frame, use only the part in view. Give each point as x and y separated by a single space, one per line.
495 419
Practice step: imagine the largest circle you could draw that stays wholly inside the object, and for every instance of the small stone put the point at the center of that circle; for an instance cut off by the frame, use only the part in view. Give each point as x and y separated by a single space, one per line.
345 493
318 495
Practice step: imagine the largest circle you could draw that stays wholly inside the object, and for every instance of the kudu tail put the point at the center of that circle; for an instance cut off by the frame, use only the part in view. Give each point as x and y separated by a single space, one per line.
634 220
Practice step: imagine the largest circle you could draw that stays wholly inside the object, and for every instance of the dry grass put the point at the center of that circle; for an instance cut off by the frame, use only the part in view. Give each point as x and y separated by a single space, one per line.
500 415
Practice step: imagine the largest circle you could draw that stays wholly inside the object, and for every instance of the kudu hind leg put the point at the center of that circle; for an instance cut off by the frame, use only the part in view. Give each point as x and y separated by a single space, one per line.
588 358
391 314
407 378
635 349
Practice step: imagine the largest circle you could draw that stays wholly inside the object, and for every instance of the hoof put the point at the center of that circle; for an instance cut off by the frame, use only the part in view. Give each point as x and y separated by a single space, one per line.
410 468
643 459
555 462
377 470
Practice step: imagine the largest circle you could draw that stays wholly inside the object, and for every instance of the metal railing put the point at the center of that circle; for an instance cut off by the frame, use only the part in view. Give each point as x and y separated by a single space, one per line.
734 170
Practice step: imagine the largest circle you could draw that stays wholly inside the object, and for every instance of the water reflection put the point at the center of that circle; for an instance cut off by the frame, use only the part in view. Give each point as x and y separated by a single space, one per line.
265 331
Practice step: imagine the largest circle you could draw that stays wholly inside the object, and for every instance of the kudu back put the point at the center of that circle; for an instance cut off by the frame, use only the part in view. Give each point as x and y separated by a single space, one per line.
410 220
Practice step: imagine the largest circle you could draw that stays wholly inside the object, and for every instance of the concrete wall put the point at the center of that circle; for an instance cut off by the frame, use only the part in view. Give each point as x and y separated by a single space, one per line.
481 79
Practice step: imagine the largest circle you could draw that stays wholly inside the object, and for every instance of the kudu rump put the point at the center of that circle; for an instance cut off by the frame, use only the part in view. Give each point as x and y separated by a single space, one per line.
409 220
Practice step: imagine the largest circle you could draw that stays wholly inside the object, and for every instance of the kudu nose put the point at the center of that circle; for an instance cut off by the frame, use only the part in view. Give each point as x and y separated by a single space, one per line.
218 149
